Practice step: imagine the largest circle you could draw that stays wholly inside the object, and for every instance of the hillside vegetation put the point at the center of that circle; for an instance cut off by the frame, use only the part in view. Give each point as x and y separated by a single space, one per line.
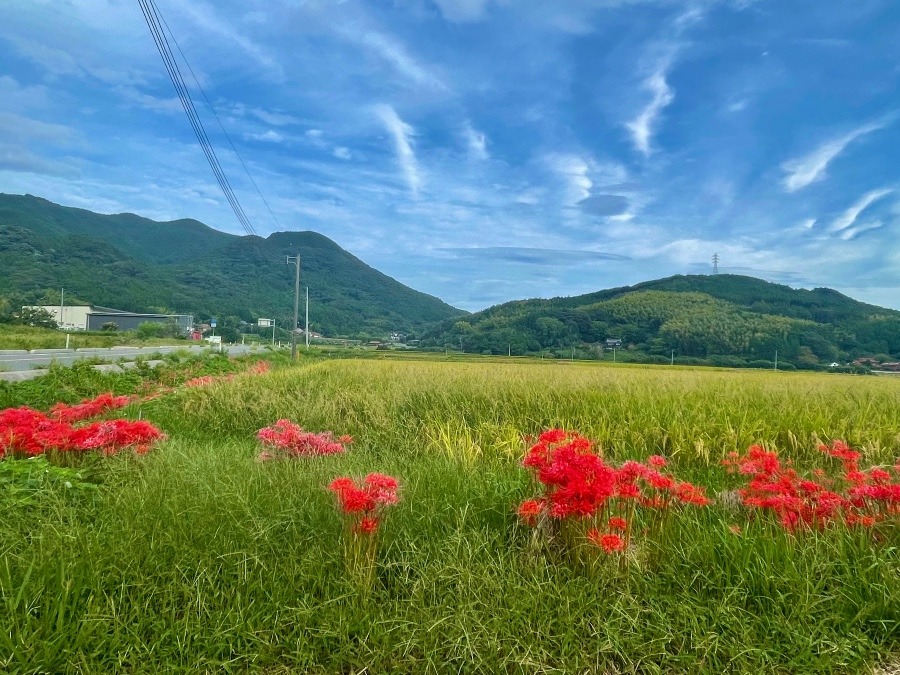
136 264
739 319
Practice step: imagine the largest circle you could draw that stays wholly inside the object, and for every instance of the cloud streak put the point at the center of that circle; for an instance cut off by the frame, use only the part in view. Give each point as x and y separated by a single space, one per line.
846 220
643 126
803 171
402 134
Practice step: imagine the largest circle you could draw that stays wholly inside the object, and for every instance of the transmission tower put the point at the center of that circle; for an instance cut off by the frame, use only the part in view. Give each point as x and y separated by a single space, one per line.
715 263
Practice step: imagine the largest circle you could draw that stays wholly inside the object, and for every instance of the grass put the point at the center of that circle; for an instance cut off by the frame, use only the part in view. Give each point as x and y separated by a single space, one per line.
196 558
30 337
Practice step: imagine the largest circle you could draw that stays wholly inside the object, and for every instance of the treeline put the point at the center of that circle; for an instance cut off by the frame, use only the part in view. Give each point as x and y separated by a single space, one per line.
689 325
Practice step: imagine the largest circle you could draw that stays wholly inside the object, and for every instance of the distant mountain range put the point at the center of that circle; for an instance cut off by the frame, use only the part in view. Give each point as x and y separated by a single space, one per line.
724 319
137 264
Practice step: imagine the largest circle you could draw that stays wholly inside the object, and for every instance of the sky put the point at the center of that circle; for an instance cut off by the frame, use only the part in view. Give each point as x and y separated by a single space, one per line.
486 150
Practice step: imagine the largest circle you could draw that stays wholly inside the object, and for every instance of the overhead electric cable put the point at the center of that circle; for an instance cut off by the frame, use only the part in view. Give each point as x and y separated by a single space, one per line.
154 23
221 126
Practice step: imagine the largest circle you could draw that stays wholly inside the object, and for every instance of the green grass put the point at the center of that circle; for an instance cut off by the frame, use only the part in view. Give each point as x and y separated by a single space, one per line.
196 558
30 337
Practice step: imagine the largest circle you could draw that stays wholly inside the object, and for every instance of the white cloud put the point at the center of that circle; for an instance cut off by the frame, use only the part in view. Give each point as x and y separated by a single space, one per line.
574 170
265 137
476 141
643 126
204 15
402 134
853 232
803 171
462 11
396 55
848 218
342 153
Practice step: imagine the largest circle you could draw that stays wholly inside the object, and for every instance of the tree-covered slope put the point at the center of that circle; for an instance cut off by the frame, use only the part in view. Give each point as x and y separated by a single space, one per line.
132 263
696 316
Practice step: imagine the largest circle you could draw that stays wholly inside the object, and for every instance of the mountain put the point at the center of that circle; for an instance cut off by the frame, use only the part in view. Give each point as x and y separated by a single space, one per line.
136 264
725 318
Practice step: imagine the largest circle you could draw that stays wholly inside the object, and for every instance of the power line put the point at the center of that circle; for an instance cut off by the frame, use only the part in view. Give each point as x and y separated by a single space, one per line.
154 23
221 126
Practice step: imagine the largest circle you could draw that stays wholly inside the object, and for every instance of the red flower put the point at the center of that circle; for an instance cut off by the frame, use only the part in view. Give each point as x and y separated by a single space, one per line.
656 460
367 526
610 543
615 523
290 439
529 510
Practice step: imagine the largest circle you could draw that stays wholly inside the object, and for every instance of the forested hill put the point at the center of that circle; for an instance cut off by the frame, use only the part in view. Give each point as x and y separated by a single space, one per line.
742 318
136 264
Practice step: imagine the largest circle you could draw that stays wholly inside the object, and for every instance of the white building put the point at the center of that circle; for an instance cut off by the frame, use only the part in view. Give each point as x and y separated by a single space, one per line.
74 317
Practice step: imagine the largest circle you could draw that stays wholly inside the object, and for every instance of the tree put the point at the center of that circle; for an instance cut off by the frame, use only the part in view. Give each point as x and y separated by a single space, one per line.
36 316
110 327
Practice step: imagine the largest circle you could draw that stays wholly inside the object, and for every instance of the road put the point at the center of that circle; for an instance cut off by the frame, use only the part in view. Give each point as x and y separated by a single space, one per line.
15 360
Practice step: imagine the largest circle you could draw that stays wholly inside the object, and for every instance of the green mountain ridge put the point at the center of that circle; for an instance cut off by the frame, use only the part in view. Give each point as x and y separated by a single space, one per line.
735 319
133 263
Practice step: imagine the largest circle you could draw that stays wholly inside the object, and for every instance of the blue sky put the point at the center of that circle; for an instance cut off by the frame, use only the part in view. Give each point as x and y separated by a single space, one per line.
487 150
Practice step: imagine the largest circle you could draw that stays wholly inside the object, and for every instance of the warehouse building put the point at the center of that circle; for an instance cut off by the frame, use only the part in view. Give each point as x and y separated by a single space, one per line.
85 317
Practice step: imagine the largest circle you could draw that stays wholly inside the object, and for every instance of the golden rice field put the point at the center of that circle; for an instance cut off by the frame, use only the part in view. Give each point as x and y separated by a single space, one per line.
197 557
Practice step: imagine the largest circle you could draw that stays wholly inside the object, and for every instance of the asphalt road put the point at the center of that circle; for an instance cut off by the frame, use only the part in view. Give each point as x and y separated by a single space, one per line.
15 360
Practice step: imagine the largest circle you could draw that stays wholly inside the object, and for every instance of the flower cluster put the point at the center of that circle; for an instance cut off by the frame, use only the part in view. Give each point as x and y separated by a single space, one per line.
855 497
288 439
364 503
24 431
90 407
578 485
258 368
363 506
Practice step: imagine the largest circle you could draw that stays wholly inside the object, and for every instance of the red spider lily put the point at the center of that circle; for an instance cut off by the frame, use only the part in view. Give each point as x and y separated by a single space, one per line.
578 484
369 498
857 497
289 439
29 432
362 504
259 368
610 543
616 523
88 408
206 380
530 510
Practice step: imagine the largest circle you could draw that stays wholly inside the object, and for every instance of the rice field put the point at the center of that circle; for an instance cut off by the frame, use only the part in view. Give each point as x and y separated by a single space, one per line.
198 557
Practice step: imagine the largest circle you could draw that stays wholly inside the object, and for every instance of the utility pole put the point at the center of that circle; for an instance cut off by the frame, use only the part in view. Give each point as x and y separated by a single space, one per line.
672 362
62 298
296 260
776 359
273 332
307 318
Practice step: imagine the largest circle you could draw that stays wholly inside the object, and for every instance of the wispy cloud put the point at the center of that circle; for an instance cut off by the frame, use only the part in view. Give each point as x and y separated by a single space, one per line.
204 16
643 126
847 219
462 11
574 170
853 232
396 55
532 256
803 171
476 141
402 134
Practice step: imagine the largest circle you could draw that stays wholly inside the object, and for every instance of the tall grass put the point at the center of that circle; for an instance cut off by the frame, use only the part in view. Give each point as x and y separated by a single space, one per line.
31 337
196 558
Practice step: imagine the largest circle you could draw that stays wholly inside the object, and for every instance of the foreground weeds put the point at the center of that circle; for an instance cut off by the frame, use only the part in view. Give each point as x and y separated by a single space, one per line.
199 558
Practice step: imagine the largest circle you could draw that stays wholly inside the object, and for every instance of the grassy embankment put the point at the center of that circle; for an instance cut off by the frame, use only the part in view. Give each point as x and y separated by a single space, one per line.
29 337
196 558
